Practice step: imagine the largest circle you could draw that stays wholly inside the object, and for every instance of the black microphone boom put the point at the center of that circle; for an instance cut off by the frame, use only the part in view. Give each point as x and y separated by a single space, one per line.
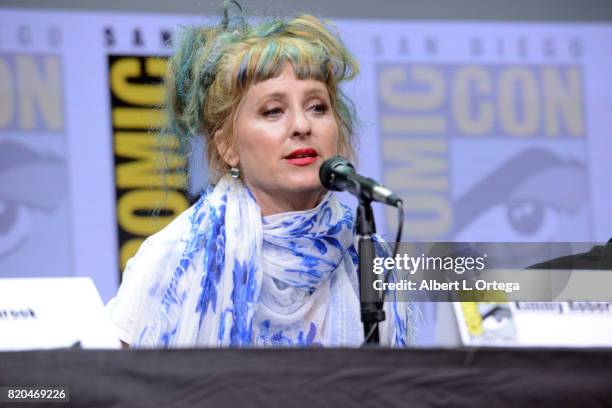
338 174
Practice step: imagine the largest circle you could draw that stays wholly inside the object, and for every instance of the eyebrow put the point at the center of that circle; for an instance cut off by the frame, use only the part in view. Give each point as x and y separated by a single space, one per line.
281 95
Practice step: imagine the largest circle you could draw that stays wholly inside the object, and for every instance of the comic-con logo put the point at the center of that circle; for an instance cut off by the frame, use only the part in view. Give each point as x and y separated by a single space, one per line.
149 171
477 151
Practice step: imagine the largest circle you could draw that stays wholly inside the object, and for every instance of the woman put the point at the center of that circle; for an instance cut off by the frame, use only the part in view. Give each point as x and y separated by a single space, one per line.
266 257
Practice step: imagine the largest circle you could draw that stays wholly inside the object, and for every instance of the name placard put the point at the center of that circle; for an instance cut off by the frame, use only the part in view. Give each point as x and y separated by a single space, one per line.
43 313
535 324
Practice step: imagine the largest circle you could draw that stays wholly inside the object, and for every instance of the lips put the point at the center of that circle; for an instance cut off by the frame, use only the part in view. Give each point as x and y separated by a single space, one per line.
302 157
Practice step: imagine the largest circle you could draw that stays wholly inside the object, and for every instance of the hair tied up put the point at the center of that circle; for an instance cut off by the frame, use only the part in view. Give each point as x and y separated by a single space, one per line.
233 17
214 65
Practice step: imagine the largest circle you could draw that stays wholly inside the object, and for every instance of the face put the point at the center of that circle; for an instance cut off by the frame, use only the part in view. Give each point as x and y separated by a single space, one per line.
284 131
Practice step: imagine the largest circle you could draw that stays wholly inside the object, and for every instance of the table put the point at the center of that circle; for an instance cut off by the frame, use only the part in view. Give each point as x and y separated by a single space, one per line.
466 377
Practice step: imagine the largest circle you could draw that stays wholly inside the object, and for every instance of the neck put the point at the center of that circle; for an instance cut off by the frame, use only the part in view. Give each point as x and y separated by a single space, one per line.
291 202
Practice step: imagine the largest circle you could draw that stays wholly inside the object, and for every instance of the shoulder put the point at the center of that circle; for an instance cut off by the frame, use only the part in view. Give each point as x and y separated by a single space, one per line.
175 232
157 257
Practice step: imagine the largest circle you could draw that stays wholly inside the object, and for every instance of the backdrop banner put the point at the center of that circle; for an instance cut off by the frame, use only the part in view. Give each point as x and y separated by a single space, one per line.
488 131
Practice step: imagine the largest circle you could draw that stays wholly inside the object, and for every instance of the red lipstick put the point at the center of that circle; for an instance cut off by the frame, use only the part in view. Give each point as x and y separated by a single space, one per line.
302 157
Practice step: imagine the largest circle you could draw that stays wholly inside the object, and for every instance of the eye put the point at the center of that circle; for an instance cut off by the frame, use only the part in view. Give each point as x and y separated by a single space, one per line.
536 208
497 319
319 108
272 112
525 217
514 221
14 226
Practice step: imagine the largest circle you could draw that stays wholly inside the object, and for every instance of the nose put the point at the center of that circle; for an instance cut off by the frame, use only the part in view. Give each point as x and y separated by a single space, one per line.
301 124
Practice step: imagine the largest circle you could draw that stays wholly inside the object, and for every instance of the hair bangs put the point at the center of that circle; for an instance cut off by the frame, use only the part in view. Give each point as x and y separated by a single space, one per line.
267 59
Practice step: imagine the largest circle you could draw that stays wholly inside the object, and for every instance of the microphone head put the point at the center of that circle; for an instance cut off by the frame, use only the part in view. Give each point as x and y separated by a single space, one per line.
331 169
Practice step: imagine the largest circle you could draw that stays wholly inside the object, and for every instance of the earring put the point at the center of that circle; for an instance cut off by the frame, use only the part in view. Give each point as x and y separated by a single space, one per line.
235 172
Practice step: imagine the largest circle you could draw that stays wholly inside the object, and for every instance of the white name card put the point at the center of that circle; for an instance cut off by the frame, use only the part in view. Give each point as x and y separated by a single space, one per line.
535 324
44 313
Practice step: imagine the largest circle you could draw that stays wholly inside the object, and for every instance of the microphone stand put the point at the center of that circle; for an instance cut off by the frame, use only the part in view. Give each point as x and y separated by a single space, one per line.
371 312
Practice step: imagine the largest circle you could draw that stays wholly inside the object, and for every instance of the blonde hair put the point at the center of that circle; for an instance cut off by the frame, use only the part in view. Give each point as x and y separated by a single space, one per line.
213 68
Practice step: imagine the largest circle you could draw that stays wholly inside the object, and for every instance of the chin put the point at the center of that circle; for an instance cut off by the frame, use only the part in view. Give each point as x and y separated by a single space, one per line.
305 184
304 187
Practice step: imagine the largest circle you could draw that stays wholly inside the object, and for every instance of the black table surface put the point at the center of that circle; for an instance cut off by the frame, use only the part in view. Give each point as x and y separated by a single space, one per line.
465 377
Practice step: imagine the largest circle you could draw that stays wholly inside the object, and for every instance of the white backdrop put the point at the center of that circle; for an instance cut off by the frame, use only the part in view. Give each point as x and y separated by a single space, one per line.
489 131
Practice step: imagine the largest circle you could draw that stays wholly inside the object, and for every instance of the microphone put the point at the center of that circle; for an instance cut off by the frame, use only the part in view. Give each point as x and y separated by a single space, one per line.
338 174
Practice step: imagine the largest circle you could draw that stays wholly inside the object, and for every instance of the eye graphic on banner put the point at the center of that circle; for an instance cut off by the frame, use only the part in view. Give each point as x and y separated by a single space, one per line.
42 187
517 199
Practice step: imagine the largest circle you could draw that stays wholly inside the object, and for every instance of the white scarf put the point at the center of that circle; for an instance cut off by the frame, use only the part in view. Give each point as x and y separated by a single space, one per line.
221 275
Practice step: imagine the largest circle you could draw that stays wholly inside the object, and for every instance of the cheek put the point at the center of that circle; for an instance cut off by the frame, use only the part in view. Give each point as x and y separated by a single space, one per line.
331 138
259 146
